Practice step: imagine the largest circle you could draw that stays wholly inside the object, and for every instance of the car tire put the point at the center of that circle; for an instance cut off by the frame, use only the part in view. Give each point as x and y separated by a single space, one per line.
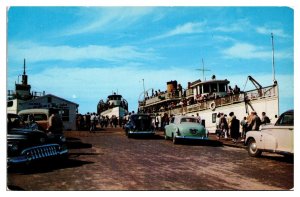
253 151
174 139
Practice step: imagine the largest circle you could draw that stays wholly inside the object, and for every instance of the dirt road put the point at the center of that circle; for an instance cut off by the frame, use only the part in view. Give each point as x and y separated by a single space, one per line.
108 160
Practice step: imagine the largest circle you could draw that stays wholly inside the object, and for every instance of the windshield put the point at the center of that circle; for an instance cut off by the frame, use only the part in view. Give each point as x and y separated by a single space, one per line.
189 120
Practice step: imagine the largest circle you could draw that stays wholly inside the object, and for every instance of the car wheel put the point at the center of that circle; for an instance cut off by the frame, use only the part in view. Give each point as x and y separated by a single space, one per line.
174 139
253 151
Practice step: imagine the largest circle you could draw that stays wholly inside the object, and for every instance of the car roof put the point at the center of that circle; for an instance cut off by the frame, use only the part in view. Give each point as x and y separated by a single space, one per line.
182 116
35 110
289 111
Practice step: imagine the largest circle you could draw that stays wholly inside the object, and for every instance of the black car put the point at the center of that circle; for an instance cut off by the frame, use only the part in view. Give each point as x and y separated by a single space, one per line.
139 124
25 143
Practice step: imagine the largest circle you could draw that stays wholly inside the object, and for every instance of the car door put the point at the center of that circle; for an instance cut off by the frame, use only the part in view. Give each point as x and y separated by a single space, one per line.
170 127
282 133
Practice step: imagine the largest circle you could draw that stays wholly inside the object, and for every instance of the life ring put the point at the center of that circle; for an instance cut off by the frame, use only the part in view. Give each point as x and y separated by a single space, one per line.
213 105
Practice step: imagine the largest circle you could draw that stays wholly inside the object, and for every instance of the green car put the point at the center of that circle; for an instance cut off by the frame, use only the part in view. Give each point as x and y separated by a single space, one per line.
185 127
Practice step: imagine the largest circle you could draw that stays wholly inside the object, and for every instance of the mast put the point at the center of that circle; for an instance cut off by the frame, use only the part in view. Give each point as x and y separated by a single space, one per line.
144 89
203 70
273 60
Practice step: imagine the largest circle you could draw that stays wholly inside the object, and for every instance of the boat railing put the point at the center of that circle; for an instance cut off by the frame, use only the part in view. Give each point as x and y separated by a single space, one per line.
269 91
162 96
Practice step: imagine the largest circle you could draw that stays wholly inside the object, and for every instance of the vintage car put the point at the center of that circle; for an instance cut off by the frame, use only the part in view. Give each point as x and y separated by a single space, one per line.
40 116
277 138
185 127
139 124
25 143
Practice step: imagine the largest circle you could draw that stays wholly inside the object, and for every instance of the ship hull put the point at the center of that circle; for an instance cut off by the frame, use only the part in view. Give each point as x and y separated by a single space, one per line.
116 111
268 105
264 100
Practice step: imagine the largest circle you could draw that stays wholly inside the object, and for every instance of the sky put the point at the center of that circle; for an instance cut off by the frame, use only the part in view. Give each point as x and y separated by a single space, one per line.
83 54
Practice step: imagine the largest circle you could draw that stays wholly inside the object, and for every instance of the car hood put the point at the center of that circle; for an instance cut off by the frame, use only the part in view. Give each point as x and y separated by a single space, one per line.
24 131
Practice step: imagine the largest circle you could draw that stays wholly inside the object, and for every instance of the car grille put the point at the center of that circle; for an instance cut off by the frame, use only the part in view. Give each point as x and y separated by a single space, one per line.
193 131
38 152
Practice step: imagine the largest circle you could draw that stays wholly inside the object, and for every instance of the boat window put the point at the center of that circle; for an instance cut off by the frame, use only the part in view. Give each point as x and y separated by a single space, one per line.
214 117
10 103
205 88
222 88
214 87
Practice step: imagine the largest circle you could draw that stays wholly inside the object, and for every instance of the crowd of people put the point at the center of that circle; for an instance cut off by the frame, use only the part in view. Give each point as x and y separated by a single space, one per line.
184 101
90 121
230 126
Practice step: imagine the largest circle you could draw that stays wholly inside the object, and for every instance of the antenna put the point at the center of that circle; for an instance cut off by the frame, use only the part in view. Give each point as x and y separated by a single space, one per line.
144 89
273 60
203 70
24 72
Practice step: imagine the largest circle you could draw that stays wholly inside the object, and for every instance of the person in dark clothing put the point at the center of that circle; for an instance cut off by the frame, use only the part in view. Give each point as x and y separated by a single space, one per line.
264 118
235 129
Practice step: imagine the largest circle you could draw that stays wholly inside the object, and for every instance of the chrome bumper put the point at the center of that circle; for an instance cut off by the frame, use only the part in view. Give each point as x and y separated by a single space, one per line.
191 138
38 152
141 132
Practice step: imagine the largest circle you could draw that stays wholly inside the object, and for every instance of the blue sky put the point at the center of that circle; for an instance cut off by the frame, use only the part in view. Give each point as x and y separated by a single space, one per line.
85 53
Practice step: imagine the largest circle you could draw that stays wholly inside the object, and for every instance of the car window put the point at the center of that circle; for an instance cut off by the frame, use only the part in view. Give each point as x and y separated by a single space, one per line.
24 117
39 117
286 120
188 120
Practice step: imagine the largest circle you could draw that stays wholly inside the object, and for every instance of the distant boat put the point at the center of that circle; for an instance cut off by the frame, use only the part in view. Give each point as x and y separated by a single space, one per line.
115 105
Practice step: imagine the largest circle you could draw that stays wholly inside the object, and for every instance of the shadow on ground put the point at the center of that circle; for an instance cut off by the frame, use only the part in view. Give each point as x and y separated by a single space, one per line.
45 166
214 143
75 143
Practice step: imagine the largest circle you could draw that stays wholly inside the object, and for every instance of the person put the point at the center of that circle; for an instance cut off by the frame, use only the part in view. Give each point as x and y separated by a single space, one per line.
264 118
253 122
223 125
234 128
55 123
198 118
88 121
93 122
244 128
229 121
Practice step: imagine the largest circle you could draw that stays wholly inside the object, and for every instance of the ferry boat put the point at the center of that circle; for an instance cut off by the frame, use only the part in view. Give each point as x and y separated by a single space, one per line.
115 105
209 98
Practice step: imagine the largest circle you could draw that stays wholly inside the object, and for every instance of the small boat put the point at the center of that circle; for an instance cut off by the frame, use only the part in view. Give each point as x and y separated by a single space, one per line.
115 105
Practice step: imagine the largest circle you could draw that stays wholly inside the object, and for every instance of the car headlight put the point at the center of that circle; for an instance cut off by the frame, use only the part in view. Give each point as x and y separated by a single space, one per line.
62 139
13 147
42 140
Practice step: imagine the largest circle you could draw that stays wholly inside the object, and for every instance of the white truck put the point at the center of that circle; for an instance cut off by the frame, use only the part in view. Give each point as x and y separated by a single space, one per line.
277 138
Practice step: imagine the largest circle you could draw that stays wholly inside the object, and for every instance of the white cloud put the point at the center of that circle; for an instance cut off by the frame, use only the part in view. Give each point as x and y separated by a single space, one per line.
249 51
236 26
36 52
187 28
98 20
275 31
